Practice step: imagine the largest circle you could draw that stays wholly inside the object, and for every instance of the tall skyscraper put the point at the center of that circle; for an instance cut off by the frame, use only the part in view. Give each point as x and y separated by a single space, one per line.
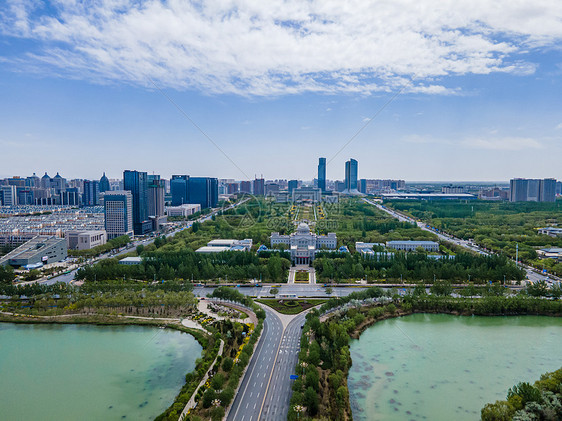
156 190
547 190
137 183
259 187
532 190
104 183
351 175
118 210
322 174
179 188
204 191
91 193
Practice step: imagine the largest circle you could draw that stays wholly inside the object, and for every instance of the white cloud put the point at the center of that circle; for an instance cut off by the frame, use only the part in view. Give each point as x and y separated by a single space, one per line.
502 143
281 47
559 126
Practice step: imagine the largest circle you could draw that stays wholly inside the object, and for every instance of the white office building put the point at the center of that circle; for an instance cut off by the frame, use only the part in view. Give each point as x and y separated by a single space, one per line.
304 244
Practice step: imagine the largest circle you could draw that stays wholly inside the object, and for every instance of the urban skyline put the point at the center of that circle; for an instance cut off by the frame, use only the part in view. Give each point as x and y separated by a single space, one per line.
453 103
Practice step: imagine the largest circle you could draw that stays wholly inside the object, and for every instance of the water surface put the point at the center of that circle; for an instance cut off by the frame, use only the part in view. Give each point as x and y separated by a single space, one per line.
442 367
85 372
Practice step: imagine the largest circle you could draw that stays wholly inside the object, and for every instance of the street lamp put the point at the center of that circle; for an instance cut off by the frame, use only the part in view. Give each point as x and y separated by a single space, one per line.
304 364
298 409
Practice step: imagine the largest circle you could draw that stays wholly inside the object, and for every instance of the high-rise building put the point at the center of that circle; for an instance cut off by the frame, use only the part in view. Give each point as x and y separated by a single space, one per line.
259 187
559 187
33 181
104 183
9 195
532 190
156 190
246 187
322 174
58 183
46 181
547 190
137 183
293 184
232 188
204 191
90 197
118 210
179 189
351 175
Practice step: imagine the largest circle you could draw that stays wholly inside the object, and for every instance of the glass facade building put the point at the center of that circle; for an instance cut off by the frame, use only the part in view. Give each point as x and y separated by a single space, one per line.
322 174
137 183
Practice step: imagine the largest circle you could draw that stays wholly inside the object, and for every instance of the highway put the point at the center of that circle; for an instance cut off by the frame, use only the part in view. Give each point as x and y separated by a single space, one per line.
249 400
279 392
265 390
532 274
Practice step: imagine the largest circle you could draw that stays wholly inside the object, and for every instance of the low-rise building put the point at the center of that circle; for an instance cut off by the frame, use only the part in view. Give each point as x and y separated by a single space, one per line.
551 231
184 210
430 246
550 253
38 250
85 240
131 261
219 245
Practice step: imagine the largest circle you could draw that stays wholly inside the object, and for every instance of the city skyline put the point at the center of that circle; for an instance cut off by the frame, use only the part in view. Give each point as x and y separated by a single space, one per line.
454 92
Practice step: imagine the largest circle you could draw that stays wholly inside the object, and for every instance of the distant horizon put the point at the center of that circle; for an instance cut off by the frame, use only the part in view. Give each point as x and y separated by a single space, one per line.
274 178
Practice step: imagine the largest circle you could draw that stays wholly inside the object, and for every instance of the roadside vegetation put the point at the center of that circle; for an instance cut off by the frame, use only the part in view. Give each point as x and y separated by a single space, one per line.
112 244
321 392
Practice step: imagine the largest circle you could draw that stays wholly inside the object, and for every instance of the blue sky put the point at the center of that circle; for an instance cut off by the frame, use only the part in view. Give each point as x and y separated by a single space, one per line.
277 84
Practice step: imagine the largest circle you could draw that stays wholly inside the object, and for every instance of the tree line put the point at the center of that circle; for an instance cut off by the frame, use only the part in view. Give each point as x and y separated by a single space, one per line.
188 265
416 267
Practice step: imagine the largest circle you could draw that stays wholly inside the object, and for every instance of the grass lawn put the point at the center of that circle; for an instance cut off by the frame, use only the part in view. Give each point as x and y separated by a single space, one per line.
289 306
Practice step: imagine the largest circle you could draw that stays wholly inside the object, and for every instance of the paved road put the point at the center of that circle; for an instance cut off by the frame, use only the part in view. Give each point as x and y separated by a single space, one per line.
276 405
532 274
248 401
300 290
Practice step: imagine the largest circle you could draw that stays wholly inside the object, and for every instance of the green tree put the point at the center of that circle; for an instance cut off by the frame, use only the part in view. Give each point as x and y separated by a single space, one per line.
274 291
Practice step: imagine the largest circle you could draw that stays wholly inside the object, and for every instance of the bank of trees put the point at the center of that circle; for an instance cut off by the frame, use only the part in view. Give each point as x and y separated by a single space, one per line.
540 401
416 267
188 265
112 244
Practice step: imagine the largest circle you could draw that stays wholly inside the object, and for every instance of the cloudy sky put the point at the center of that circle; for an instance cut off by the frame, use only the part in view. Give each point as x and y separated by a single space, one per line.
412 89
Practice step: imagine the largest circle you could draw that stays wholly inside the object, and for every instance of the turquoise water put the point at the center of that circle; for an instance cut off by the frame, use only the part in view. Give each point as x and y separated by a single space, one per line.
442 367
84 372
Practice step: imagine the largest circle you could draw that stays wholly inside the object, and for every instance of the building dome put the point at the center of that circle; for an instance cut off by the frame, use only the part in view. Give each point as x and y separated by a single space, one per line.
303 228
57 176
46 177
104 183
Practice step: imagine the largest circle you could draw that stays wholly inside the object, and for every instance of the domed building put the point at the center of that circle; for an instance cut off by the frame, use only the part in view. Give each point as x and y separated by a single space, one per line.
304 244
104 183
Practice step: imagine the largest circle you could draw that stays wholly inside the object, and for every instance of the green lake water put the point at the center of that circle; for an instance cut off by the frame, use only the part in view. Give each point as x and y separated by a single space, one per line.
442 367
85 372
